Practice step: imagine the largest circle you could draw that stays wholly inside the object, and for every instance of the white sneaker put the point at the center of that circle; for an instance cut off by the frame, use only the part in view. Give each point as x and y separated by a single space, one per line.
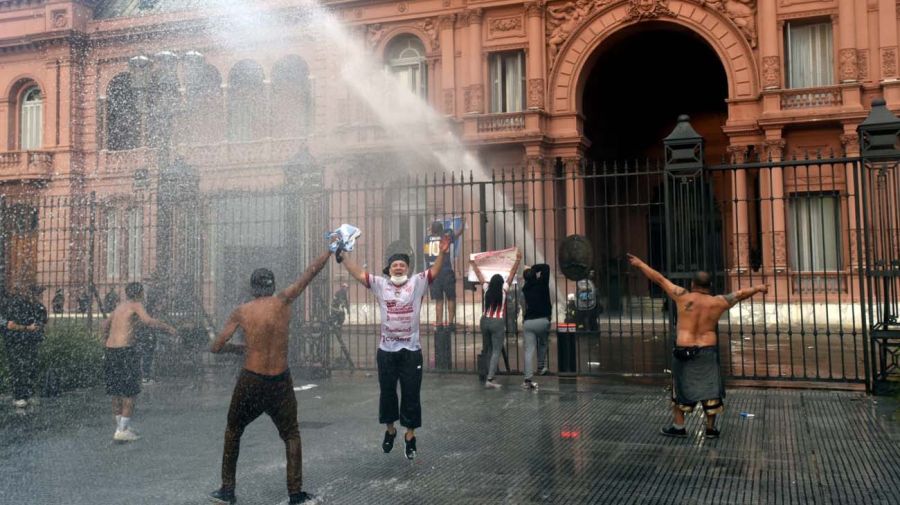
543 371
529 386
490 384
125 436
20 404
148 382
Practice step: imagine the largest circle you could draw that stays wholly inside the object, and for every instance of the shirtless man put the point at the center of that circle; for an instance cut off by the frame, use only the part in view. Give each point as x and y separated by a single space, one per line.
122 361
695 363
264 385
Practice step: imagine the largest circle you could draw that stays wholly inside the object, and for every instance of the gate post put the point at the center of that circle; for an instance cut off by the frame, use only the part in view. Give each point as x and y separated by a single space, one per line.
879 188
688 231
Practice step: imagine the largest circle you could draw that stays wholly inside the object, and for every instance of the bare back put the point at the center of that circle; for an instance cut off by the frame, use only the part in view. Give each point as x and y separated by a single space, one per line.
265 323
698 314
122 322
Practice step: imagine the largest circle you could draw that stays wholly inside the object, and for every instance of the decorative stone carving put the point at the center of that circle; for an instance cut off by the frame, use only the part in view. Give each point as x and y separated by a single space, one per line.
771 72
474 16
888 62
59 18
374 32
503 25
740 252
445 22
741 12
402 7
474 99
850 143
536 93
534 8
862 64
562 20
775 149
429 26
780 244
648 9
848 65
737 154
449 102
446 3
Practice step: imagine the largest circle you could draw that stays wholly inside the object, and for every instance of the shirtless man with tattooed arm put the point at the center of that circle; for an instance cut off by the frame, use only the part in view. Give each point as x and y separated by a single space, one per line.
695 365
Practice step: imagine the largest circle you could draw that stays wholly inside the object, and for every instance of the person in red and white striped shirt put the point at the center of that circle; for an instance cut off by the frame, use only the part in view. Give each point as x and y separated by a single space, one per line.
493 323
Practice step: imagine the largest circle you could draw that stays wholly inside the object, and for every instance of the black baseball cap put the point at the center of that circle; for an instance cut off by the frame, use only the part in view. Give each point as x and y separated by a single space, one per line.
395 257
262 282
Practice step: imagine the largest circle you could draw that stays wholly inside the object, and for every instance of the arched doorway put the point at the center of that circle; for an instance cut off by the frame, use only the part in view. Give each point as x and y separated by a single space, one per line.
637 82
641 79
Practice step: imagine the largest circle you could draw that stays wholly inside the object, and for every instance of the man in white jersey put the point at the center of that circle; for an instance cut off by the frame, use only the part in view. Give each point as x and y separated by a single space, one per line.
399 356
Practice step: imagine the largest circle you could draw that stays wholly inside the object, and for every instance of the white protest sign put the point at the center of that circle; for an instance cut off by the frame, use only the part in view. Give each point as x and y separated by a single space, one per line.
492 262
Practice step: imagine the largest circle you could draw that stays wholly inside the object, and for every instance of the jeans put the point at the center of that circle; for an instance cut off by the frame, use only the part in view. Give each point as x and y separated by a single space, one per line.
536 332
493 332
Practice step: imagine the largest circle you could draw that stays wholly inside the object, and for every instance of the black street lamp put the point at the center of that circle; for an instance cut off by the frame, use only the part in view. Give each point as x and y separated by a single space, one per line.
159 96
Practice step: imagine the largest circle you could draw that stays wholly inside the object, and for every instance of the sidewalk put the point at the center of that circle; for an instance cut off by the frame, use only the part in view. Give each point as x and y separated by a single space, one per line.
563 445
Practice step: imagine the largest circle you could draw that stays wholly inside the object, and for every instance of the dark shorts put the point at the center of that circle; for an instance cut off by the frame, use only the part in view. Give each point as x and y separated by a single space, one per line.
123 371
444 286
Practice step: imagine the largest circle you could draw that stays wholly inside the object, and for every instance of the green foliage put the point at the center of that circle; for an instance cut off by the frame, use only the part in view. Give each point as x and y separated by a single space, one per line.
74 353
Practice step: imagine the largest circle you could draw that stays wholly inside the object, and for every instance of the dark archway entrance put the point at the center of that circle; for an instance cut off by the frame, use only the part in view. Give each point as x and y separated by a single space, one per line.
641 80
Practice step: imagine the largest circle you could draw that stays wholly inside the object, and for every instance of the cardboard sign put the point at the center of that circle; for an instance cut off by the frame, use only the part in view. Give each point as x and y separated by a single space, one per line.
492 262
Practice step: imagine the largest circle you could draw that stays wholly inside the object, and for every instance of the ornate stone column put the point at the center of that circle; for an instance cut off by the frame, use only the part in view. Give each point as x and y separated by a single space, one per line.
768 45
740 235
474 93
574 196
887 37
773 212
534 68
448 64
850 143
848 69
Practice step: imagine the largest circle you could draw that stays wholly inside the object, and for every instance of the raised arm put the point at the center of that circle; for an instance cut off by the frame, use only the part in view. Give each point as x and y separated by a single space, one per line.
514 268
153 323
355 270
219 344
740 295
477 271
291 292
439 261
542 272
657 278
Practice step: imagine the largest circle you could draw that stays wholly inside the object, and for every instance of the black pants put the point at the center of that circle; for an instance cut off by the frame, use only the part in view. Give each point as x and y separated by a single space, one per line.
404 366
255 394
21 354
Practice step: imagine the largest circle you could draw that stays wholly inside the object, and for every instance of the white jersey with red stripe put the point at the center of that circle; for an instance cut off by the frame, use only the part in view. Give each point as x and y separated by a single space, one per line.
496 312
400 308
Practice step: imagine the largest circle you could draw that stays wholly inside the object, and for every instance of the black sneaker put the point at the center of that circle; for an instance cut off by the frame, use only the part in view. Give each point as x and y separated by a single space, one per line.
712 433
222 496
410 448
301 497
672 431
388 443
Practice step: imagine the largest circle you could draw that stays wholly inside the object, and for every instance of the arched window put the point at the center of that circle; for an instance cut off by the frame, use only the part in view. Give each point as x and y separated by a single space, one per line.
406 60
31 125
204 118
291 101
162 100
246 102
123 122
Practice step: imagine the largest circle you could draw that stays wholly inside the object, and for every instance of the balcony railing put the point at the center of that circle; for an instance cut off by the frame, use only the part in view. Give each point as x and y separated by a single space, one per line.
808 98
18 165
491 123
222 154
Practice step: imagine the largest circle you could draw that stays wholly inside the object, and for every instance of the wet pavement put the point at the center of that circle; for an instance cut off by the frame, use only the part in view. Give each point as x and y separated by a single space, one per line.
565 444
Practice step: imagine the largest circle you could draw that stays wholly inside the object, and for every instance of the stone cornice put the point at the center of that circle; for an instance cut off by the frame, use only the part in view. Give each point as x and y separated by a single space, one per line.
43 40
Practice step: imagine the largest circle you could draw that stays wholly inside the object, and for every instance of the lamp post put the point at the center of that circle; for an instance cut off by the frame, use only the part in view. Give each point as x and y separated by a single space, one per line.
159 95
